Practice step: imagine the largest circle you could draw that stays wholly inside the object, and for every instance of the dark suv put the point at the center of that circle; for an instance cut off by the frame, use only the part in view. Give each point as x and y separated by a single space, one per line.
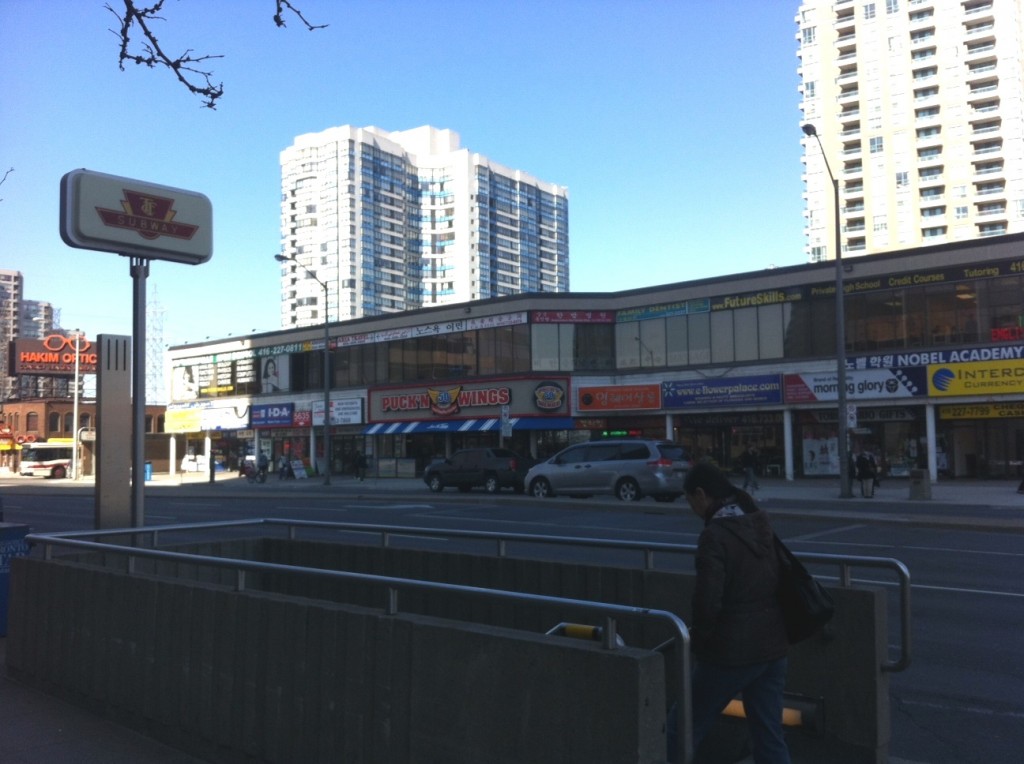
487 468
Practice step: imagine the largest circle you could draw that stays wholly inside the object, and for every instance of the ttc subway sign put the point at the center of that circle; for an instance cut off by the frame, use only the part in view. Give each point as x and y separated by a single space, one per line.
132 217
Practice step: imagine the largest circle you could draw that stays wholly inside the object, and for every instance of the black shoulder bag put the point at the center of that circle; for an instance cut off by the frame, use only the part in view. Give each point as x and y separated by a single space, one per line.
806 605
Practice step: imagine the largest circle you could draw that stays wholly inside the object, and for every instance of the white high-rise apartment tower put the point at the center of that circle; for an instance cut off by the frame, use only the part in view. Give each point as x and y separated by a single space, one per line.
919 105
393 221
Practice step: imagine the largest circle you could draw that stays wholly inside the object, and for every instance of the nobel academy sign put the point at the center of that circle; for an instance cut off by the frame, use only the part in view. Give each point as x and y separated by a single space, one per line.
135 218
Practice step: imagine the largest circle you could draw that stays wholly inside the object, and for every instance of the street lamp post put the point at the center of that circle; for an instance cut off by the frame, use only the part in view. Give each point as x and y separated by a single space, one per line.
843 446
74 406
327 367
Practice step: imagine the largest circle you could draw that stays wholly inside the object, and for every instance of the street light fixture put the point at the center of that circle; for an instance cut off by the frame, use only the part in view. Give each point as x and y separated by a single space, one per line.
843 449
326 363
74 406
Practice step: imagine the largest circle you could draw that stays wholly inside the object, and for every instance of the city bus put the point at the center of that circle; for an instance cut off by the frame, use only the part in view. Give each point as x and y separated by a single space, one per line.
50 459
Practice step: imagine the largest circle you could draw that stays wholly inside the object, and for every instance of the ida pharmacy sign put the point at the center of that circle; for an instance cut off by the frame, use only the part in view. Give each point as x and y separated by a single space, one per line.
135 218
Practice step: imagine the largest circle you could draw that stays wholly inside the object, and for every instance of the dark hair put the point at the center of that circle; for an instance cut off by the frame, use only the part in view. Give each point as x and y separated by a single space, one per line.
716 484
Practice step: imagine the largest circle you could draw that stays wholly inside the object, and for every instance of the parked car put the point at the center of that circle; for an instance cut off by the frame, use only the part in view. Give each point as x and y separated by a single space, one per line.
628 469
487 468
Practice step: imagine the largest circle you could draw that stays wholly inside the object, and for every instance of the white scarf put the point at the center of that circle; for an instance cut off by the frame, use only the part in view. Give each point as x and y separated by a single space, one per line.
729 510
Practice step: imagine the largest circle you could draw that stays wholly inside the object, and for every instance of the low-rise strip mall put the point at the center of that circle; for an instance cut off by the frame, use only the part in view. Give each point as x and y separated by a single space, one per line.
935 359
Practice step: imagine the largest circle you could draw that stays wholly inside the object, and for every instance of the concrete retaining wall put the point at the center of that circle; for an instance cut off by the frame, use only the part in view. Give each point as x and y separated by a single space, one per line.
240 676
840 668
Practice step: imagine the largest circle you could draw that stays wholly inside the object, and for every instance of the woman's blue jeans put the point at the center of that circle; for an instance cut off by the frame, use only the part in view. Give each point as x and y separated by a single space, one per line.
761 685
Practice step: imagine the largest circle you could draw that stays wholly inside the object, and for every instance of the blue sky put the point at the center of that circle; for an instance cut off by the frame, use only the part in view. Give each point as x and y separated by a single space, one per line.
674 124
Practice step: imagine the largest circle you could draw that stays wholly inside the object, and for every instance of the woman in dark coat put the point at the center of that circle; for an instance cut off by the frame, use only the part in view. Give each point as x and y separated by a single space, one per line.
737 634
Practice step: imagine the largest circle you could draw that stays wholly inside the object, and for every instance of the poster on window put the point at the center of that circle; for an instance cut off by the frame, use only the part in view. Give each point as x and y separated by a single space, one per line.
821 456
274 374
184 383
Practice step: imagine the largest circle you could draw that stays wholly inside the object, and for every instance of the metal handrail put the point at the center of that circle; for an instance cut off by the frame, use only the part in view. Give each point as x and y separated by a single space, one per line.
648 549
392 585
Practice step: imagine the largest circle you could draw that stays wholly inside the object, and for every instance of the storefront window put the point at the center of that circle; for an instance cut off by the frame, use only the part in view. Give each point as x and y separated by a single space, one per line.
915 318
652 343
299 372
745 322
771 320
699 338
676 341
1002 312
461 349
723 349
427 355
874 321
409 359
565 351
967 313
520 337
502 350
544 343
627 345
942 322
822 328
487 356
360 365
396 369
593 345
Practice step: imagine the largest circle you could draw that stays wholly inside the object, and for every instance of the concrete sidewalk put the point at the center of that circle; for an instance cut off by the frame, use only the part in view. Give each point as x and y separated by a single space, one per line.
42 729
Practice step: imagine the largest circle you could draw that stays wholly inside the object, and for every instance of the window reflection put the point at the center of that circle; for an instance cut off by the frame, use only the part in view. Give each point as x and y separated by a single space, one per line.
933 315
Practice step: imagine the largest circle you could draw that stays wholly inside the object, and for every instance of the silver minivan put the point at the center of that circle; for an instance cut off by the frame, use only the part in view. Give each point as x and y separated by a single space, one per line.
628 469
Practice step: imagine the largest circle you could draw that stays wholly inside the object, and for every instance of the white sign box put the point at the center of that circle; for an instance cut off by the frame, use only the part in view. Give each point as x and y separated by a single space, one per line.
136 218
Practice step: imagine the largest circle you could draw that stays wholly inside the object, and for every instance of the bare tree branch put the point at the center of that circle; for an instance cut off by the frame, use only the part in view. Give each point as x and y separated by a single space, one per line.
188 68
4 178
279 20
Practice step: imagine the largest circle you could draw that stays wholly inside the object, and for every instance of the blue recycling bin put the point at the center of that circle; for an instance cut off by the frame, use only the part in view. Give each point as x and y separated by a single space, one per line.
147 471
12 544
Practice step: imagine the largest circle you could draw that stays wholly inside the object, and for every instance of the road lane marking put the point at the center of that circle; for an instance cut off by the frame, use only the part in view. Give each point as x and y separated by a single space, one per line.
929 587
957 708
813 536
945 550
346 507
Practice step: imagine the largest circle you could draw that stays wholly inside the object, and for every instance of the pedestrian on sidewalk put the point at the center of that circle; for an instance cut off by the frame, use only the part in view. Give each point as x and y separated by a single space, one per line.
866 473
748 463
360 465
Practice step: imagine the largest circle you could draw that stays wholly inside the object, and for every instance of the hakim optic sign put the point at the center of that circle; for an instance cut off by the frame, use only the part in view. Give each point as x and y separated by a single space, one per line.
135 218
53 356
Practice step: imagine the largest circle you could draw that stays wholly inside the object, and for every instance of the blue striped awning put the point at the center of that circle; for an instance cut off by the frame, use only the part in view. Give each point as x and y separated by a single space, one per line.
468 425
544 423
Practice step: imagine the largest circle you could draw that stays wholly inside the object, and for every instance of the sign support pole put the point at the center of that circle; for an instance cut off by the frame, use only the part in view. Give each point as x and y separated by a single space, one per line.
142 221
139 271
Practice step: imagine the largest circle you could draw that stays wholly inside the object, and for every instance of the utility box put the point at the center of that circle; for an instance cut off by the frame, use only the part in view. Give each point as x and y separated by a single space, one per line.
12 544
920 485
